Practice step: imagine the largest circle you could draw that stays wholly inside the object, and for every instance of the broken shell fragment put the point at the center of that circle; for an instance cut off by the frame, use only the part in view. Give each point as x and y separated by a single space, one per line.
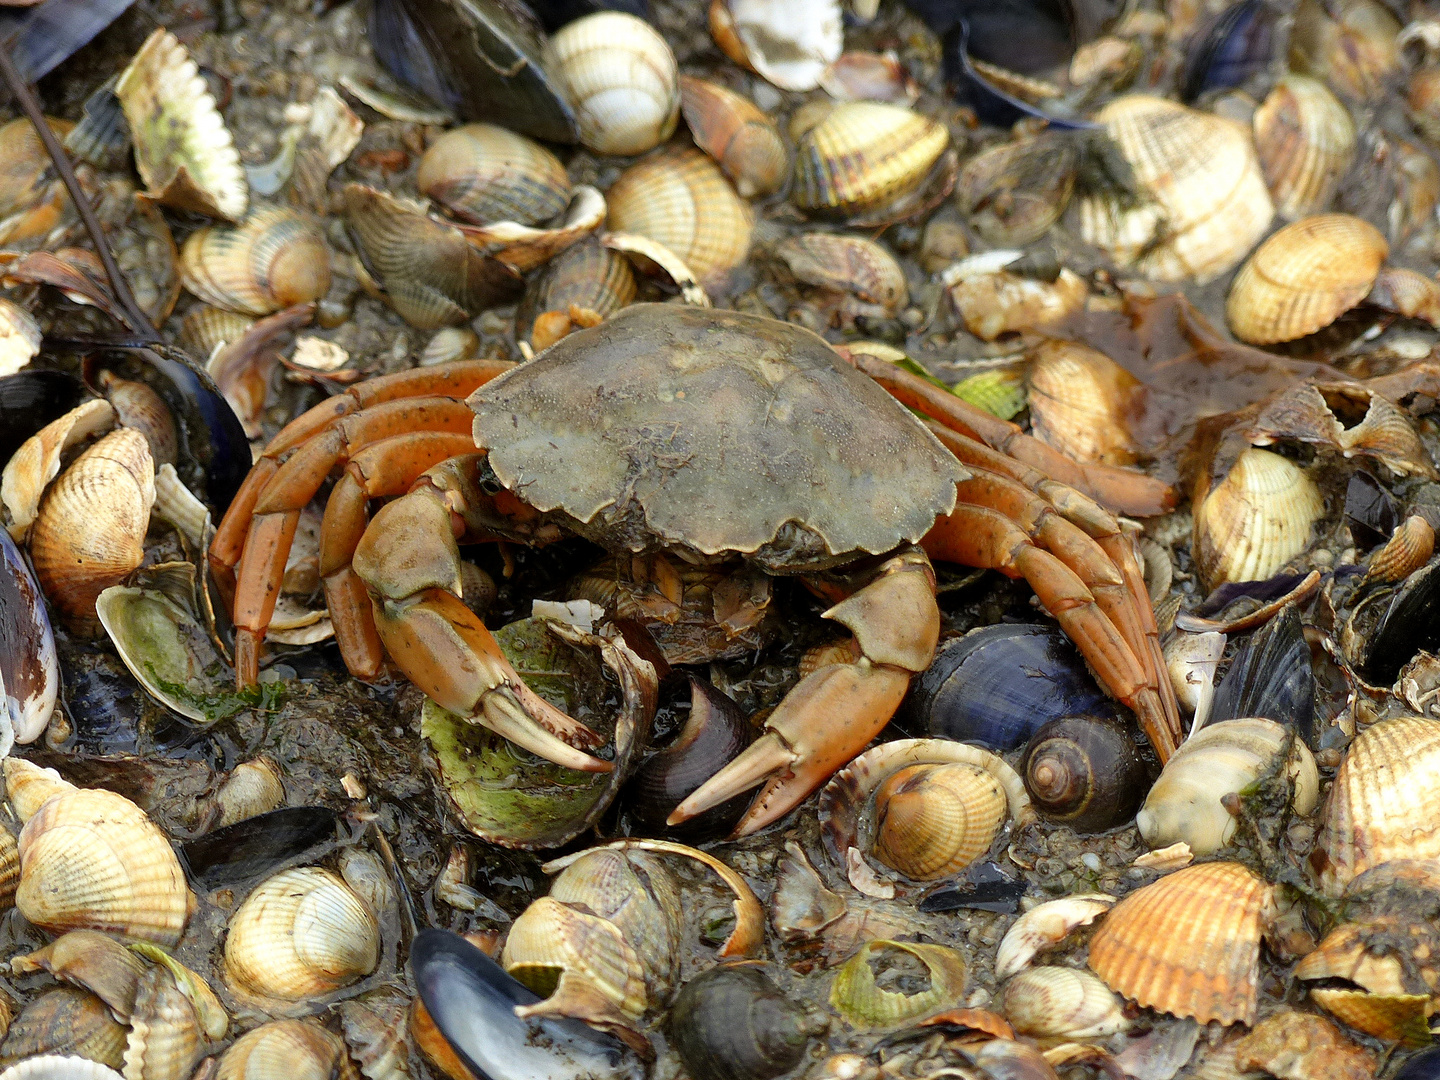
483 174
523 248
859 996
182 148
1061 1003
736 134
1045 926
790 45
1306 142
1255 520
581 956
275 258
1188 944
995 300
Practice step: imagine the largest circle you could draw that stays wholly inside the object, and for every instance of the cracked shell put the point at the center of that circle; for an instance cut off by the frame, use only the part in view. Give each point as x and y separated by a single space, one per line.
1255 520
1304 277
1385 801
1044 926
859 997
91 860
1306 142
1188 944
301 934
274 259
484 174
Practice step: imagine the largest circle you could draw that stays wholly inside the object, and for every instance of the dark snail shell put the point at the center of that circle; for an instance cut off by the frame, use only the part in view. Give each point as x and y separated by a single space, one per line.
733 1023
1085 772
1271 677
997 686
712 737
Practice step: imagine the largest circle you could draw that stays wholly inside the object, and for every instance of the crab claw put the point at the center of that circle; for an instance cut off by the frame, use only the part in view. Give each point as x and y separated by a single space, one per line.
832 713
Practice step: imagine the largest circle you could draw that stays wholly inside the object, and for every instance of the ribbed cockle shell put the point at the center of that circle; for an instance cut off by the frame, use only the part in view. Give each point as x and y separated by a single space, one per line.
275 258
1255 520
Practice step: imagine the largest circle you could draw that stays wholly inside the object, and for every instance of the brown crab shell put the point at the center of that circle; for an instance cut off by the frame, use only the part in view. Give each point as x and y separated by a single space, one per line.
1306 142
1304 277
1188 944
1385 801
732 130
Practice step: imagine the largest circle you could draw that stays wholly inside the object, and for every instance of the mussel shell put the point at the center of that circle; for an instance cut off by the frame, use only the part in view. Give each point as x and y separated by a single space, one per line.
479 57
471 1002
29 400
1370 511
41 37
1424 1066
997 686
1271 677
256 845
733 1023
1393 630
1230 48
29 665
1084 771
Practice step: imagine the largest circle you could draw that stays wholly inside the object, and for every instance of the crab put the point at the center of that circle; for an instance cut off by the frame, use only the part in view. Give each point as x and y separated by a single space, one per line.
708 437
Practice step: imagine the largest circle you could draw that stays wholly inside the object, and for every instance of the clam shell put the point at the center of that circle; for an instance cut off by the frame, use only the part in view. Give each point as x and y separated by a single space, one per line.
1404 553
1255 520
252 788
523 248
37 462
295 1049
66 1021
789 45
589 277
864 1003
59 1067
865 156
619 76
1383 803
1224 758
1408 292
553 945
1061 1003
484 174
1080 401
679 198
92 860
740 137
1014 192
205 328
1354 49
848 264
1044 926
377 1033
182 148
1346 953
1207 203
1306 141
275 258
300 934
1304 277
165 1039
1189 944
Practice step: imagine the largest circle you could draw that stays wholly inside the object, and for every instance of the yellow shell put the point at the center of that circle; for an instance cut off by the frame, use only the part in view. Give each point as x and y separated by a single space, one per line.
1401 1018
37 462
1207 203
90 529
864 1003
736 134
1080 402
1189 944
1408 292
29 787
1385 801
301 934
934 820
1350 44
864 156
484 174
1061 1003
1255 520
274 259
294 1049
1304 277
849 264
1306 142
620 77
679 198
556 947
92 860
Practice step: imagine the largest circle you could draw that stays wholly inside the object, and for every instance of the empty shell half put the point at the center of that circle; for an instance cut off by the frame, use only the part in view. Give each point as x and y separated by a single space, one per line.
1306 142
1188 944
1061 1003
862 991
275 258
736 134
788 44
1081 402
850 264
483 174
1045 926
1255 520
37 462
585 282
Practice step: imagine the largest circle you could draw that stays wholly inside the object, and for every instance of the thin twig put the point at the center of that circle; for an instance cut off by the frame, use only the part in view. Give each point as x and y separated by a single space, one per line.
139 322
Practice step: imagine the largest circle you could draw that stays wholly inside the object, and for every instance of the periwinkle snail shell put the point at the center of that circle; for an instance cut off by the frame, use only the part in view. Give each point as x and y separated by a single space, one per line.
1085 772
733 1023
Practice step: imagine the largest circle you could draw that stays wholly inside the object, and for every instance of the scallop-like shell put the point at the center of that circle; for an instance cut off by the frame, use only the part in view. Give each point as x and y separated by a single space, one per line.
1222 759
619 76
1061 1003
484 174
90 859
993 301
789 45
1207 203
864 1003
182 148
31 468
1306 142
294 1049
1304 277
1080 401
864 157
850 264
275 258
59 1067
1385 801
732 130
1045 926
90 529
589 278
1188 944
580 955
301 934
680 198
1255 520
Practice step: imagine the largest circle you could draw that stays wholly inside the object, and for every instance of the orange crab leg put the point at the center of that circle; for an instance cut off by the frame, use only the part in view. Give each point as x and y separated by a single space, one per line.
1123 490
978 536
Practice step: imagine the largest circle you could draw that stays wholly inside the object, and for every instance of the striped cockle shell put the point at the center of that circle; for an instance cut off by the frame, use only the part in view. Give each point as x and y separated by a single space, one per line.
584 957
732 130
1080 402
1061 1003
31 468
294 1049
1306 142
849 264
275 258
1255 520
483 174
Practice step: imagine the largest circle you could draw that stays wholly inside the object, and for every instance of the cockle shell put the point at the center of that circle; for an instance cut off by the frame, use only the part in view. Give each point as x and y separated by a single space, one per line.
1304 277
93 961
1188 944
301 934
1207 201
253 787
1255 520
165 1038
19 337
679 198
31 468
295 1049
1222 759
1383 803
1405 552
1045 926
1306 142
1080 402
29 787
1061 1003
850 264
579 955
65 1020
1407 292
1401 1018
275 258
91 859
1012 193
589 278
182 148
377 1034
732 130
59 1067
620 78
484 174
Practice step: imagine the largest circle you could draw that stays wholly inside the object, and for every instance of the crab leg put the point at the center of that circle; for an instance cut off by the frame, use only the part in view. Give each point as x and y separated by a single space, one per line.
829 716
1123 490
